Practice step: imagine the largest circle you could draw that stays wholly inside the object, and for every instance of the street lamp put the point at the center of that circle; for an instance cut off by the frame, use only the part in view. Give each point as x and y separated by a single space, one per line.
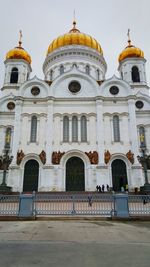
5 161
143 159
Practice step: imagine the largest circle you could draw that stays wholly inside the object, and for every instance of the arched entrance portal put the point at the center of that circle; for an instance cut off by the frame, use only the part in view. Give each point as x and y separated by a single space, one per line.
75 174
31 174
119 175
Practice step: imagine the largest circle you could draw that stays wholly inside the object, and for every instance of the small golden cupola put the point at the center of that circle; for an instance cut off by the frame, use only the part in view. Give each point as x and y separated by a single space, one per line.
74 37
130 51
19 52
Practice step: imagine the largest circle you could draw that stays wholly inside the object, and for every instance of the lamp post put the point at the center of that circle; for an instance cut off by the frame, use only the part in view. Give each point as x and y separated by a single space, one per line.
143 160
5 161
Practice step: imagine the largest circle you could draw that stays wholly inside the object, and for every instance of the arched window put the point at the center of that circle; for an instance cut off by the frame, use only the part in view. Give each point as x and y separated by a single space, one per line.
83 129
74 129
87 69
8 138
33 129
135 74
66 129
121 74
14 75
98 74
61 69
51 75
116 128
142 136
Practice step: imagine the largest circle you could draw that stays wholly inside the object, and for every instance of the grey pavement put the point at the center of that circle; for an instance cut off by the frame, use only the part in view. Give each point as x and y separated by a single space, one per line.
74 243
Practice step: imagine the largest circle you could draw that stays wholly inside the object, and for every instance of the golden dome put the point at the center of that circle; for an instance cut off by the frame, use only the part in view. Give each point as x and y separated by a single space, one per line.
74 37
130 51
19 52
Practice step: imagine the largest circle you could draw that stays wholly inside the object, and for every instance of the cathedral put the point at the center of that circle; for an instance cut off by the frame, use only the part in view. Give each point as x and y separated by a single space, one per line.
74 129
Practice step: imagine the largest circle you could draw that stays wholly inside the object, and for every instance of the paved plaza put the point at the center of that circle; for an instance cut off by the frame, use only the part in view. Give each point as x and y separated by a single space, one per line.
74 243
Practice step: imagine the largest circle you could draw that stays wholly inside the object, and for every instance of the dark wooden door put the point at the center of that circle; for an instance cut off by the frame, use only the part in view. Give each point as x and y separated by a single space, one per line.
31 174
119 175
75 180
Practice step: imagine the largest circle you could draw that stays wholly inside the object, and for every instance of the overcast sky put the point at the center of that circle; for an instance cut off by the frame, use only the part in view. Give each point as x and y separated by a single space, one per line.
43 20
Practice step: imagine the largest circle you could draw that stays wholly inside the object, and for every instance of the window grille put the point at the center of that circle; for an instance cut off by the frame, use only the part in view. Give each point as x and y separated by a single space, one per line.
66 129
74 129
83 129
33 129
116 128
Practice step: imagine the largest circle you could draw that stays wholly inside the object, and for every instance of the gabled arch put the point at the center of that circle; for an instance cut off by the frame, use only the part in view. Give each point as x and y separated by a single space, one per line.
34 82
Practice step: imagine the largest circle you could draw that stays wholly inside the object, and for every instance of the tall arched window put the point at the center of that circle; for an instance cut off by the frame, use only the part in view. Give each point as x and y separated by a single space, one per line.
98 74
7 138
83 129
14 75
61 69
74 129
33 129
66 129
87 69
121 74
116 128
135 74
142 136
51 75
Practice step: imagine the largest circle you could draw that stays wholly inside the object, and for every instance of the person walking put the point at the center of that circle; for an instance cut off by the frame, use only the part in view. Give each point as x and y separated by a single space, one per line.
107 188
90 201
103 188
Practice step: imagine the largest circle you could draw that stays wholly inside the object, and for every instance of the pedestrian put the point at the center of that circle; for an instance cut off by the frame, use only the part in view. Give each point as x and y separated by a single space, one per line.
97 188
107 188
145 199
103 188
126 187
90 201
122 189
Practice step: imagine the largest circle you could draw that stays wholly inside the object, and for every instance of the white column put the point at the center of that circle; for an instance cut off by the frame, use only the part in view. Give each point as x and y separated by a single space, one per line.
7 75
100 130
17 130
133 129
49 131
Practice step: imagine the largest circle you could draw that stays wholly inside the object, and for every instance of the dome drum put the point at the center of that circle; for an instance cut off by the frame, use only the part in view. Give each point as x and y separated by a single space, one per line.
72 54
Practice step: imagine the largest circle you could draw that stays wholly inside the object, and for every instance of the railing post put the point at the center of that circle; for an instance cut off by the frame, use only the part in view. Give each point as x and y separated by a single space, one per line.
26 205
73 205
121 206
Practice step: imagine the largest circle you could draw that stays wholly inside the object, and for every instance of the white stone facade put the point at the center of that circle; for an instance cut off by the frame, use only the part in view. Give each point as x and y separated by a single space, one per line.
94 101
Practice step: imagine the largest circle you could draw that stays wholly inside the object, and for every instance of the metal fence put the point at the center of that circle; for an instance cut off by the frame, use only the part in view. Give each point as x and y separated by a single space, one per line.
74 204
139 205
9 205
44 204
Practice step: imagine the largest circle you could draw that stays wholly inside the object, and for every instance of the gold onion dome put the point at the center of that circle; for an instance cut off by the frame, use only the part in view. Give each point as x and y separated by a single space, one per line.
74 37
130 51
19 52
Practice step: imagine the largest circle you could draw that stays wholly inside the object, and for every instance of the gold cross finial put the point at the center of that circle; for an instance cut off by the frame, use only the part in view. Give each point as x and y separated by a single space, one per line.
74 19
129 39
20 38
74 29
